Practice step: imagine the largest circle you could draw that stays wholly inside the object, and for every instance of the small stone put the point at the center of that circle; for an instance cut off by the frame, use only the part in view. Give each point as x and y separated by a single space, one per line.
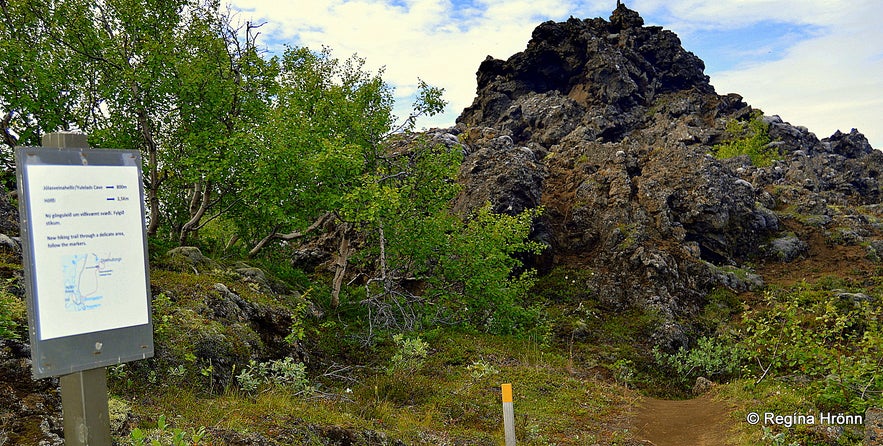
702 385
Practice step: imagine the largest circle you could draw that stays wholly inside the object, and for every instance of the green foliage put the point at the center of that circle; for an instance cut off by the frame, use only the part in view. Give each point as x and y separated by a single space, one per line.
12 313
711 358
317 141
748 138
479 271
298 314
277 373
175 79
410 353
261 148
480 369
623 371
164 435
469 267
837 343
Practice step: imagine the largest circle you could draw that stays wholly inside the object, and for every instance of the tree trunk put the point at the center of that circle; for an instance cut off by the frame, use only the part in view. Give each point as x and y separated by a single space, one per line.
263 242
231 242
199 204
340 263
152 168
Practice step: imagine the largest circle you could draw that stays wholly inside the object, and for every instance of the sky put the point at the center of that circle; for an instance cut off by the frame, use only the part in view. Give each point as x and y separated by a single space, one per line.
815 63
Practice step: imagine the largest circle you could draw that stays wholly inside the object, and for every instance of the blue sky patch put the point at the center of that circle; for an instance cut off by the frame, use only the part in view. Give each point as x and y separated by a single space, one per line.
760 42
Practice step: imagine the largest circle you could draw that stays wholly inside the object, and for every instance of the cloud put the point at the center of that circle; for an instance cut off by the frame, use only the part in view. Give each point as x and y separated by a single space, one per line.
687 15
814 62
827 82
438 41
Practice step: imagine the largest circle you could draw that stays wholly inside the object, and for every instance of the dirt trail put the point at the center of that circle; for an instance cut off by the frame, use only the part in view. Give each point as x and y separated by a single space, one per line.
697 422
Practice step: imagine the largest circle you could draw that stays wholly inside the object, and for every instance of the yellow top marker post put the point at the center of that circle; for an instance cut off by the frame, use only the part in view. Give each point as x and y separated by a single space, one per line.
507 393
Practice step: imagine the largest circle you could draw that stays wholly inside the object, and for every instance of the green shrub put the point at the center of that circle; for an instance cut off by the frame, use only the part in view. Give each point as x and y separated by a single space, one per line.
479 277
711 358
410 353
12 311
164 435
835 343
279 373
479 369
749 138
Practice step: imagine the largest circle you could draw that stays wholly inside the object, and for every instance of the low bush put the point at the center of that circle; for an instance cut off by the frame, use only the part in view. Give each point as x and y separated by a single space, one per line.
12 313
835 342
714 358
280 373
749 138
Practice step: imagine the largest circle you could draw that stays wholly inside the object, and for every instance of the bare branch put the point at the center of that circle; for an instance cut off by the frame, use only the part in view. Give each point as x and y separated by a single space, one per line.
263 242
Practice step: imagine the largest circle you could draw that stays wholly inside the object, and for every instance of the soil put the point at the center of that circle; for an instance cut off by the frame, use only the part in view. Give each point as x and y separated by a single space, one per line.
700 421
823 259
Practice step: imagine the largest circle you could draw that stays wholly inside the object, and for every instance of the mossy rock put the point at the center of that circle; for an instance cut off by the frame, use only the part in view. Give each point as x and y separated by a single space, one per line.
787 248
260 279
188 259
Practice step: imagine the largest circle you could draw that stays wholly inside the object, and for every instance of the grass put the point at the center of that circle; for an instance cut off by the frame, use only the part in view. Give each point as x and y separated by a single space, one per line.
443 397
577 384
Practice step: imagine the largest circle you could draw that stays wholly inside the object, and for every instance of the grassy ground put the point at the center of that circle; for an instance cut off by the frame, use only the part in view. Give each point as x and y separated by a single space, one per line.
580 381
450 397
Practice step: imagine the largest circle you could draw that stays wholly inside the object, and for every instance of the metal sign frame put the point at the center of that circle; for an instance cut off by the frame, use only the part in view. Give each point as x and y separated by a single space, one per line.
66 353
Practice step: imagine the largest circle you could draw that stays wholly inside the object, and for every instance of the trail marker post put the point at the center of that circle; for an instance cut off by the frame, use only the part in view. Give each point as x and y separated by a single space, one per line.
508 415
86 272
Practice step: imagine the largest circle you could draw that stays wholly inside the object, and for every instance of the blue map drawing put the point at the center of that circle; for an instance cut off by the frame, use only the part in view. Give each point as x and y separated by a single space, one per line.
83 274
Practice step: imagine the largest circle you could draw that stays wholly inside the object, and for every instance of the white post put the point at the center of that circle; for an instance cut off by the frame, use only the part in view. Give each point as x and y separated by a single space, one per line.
508 415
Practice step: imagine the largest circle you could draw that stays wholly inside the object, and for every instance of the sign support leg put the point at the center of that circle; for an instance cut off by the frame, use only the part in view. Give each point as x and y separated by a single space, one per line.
84 406
83 394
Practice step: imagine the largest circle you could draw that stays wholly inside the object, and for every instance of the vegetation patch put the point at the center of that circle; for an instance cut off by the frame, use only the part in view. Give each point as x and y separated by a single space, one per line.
750 138
12 314
452 394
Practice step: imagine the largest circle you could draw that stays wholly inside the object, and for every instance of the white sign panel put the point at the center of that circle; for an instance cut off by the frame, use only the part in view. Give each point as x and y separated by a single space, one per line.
88 249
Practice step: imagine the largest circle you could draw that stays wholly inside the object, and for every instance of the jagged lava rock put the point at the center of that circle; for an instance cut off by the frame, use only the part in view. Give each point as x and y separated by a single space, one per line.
608 124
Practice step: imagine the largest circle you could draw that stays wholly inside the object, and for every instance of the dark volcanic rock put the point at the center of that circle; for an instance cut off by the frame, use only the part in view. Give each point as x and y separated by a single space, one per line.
608 124
30 411
578 66
496 171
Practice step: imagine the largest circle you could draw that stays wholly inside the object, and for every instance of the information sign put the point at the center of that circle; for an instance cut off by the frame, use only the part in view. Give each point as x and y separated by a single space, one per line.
85 257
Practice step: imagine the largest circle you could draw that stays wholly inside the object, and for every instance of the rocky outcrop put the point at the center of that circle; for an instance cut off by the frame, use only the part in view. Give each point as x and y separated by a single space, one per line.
188 259
578 65
842 169
609 125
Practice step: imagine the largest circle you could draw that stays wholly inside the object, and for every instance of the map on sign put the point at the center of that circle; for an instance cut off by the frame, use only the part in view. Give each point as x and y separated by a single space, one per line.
85 280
